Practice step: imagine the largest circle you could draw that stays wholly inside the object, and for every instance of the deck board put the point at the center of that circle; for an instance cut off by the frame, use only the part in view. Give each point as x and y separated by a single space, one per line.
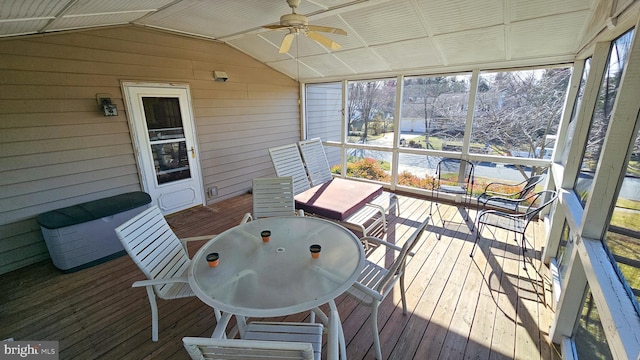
480 307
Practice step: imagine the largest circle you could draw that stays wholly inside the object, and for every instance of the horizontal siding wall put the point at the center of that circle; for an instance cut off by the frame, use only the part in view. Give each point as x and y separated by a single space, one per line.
58 150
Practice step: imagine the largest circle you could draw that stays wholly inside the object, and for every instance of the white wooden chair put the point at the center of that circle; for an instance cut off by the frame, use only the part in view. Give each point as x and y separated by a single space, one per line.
272 197
315 160
162 257
376 282
262 340
287 162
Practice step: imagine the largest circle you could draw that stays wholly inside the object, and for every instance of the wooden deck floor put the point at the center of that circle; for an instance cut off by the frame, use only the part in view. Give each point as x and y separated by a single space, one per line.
485 307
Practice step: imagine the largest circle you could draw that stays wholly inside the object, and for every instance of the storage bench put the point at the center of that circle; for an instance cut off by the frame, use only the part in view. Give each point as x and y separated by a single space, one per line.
82 235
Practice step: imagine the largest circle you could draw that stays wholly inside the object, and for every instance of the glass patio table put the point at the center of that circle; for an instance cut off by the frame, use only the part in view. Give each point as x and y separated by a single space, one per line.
279 277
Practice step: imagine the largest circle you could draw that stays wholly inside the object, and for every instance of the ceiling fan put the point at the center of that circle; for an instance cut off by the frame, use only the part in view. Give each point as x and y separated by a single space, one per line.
299 24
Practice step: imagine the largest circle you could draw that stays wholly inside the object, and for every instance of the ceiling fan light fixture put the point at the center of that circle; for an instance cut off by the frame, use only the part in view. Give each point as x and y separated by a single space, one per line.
298 23
294 20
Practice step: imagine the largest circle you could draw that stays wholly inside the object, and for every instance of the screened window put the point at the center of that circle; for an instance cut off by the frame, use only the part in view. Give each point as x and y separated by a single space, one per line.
433 116
574 113
564 251
623 234
370 118
369 164
589 340
602 114
517 112
370 111
323 114
434 112
323 111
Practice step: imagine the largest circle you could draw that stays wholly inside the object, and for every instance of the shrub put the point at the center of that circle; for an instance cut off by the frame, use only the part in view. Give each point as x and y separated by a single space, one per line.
367 168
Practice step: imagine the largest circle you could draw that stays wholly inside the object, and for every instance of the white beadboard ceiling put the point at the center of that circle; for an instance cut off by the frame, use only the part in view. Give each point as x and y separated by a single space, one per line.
385 37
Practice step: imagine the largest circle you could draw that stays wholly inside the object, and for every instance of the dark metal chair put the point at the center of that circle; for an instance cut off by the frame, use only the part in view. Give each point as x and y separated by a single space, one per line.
453 176
496 191
516 222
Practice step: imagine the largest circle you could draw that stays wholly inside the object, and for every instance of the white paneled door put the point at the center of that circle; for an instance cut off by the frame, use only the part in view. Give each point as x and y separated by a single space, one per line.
163 131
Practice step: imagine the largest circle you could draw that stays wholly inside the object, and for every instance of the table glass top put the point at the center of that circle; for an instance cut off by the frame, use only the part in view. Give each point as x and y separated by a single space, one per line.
278 277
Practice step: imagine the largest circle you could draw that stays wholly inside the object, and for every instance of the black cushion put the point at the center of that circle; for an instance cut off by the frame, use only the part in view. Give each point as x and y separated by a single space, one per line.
92 210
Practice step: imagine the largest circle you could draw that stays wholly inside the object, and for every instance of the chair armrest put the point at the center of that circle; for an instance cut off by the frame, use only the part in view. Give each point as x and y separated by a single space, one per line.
517 186
142 283
184 241
381 242
487 201
246 218
198 238
385 243
499 213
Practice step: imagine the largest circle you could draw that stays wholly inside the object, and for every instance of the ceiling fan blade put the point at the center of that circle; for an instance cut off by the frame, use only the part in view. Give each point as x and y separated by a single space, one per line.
286 43
275 27
326 29
323 40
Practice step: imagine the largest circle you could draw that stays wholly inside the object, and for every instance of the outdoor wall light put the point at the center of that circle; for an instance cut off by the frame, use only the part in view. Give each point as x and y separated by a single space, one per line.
220 76
107 107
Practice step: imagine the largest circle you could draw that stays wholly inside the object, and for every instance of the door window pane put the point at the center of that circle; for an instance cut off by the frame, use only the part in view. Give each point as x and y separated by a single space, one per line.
517 112
167 139
602 114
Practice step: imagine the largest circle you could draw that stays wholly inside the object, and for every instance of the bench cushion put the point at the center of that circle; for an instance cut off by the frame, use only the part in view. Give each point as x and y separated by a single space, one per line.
337 199
92 210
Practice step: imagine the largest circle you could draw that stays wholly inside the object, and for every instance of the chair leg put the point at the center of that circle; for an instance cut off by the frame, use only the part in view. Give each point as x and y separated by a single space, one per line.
524 250
154 313
402 294
475 241
374 326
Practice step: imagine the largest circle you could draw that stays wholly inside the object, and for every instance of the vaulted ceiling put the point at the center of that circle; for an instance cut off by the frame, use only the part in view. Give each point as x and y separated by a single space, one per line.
383 36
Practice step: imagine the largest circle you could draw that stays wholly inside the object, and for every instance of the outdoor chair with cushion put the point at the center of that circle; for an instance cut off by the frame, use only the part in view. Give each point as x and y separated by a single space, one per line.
162 257
287 162
376 281
516 222
315 160
360 206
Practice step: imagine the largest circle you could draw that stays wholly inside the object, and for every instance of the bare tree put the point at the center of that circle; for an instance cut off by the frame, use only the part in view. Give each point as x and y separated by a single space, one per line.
517 113
362 96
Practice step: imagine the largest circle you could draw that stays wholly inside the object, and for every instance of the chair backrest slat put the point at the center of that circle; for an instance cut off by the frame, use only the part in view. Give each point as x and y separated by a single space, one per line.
456 170
273 197
529 186
537 202
315 160
153 246
235 349
287 162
